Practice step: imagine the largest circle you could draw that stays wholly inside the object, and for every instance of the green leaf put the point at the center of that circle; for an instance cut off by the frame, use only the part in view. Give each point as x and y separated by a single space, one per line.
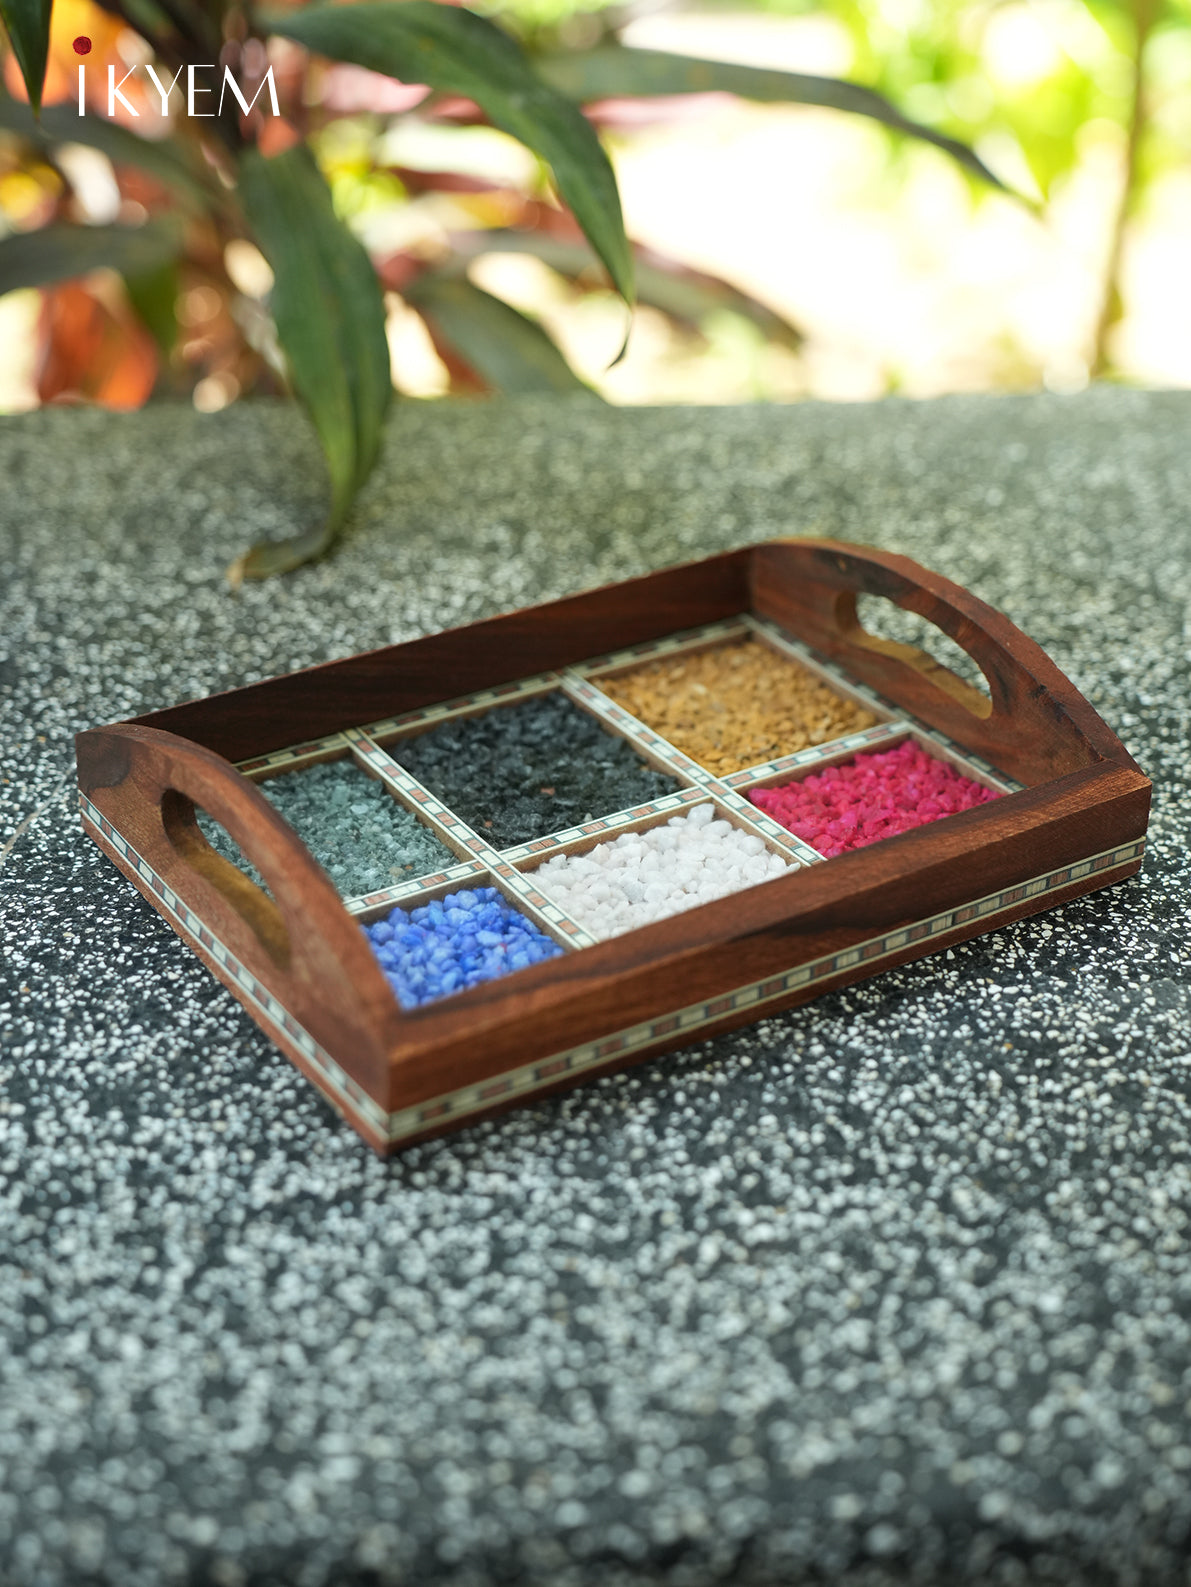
153 294
457 52
686 295
28 25
613 71
330 318
58 252
510 352
170 162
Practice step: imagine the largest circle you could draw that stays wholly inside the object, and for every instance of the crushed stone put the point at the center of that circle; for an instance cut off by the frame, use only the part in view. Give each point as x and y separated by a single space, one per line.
892 1288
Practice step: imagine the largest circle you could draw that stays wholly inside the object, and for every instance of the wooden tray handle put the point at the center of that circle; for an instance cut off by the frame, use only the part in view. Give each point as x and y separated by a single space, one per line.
1032 724
297 938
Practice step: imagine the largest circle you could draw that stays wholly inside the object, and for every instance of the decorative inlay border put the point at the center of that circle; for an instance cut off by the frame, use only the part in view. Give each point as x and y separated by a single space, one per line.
671 645
613 824
816 754
456 876
681 765
454 831
463 705
444 823
973 764
346 1093
294 755
531 1077
353 1100
577 688
777 637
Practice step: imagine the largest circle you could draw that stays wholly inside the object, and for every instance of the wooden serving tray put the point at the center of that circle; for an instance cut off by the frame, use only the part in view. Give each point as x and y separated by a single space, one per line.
1072 818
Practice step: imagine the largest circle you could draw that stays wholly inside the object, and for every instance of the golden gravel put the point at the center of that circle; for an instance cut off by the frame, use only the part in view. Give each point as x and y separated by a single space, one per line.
735 705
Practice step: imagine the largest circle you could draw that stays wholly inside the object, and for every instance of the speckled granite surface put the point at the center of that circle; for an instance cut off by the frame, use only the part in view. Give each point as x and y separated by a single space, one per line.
895 1287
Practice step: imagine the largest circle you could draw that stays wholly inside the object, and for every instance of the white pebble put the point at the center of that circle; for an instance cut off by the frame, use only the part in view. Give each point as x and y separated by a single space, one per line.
640 877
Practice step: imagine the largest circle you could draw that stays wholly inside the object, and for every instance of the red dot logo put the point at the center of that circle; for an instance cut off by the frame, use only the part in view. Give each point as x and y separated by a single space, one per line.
82 45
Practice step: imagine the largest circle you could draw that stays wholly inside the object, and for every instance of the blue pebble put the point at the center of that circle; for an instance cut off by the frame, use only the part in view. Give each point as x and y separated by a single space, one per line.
459 941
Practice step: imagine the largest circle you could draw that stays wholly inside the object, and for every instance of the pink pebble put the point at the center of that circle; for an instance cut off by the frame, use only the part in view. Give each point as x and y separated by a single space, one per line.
876 795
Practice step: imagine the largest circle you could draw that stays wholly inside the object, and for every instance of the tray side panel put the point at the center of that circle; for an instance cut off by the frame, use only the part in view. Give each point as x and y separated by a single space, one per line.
139 788
460 1110
1036 726
345 1096
822 911
326 699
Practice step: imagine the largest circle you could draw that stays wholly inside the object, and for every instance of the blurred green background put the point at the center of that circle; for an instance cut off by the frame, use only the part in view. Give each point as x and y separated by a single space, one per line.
823 255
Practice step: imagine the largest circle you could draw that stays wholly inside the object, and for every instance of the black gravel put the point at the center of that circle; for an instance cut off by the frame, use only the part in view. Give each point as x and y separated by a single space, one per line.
521 771
895 1287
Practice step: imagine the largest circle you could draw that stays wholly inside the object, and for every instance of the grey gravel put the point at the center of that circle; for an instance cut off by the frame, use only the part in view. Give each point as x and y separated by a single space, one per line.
895 1287
356 830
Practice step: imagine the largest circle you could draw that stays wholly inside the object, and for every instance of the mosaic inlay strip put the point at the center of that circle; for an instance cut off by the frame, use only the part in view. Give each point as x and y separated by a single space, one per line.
540 908
965 760
671 645
347 1094
453 830
457 876
463 705
399 1125
445 824
553 841
974 765
817 754
531 1077
765 827
293 756
747 815
576 687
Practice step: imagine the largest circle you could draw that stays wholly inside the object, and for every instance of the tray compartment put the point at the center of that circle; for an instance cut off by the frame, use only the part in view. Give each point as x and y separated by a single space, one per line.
657 867
357 830
734 704
518 772
855 800
447 945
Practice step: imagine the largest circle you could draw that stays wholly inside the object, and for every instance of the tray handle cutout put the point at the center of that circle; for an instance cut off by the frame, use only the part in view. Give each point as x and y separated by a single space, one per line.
256 905
293 935
1031 725
887 628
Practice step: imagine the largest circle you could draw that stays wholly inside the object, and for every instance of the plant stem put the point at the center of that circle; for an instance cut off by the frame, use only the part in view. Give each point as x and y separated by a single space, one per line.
1145 14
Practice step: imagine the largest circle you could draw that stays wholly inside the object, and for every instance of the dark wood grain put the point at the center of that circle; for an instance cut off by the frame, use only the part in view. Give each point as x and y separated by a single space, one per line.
300 942
322 700
820 910
1037 725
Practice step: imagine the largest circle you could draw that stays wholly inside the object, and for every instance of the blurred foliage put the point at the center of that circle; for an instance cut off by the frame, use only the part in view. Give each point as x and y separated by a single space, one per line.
1032 83
1036 70
217 257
